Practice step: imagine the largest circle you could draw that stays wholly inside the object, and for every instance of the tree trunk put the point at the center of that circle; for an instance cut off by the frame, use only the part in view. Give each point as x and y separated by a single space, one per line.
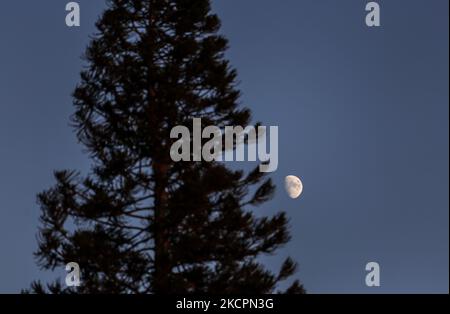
161 259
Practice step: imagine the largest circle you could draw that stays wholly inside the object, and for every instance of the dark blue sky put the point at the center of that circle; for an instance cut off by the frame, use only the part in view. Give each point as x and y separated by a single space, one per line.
363 118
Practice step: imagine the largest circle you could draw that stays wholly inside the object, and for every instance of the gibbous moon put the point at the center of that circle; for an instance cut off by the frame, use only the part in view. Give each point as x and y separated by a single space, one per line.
294 186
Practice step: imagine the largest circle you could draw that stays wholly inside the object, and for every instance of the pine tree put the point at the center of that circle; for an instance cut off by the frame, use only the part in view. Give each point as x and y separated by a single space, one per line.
139 222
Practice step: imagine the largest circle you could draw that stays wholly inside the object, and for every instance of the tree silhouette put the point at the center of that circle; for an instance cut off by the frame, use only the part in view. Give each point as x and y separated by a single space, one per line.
139 222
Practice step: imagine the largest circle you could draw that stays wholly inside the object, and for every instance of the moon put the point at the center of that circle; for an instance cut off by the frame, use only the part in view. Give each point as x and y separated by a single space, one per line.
293 186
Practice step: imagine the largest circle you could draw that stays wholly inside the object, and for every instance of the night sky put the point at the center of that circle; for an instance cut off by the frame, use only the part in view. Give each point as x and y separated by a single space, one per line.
362 115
